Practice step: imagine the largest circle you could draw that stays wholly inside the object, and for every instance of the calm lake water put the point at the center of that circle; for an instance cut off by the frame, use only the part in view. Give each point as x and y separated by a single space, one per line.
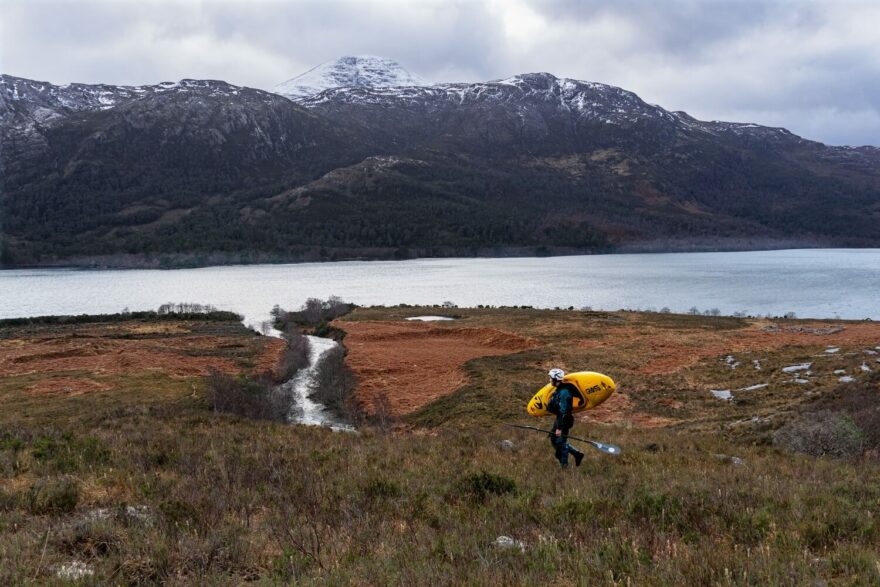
816 283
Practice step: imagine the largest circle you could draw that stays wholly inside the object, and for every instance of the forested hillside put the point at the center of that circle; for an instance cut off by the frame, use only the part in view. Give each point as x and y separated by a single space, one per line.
202 172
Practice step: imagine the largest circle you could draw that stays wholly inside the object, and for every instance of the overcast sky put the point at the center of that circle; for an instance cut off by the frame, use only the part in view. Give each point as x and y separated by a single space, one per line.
808 65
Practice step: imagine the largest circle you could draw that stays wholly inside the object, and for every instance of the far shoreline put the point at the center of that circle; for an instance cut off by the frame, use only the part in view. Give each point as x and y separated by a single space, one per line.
177 261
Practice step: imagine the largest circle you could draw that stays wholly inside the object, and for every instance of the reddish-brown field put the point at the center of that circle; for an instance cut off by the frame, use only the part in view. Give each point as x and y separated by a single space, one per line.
665 365
412 364
71 361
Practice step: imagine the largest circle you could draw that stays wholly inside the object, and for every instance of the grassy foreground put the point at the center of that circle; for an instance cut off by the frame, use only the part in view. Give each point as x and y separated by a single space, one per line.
143 483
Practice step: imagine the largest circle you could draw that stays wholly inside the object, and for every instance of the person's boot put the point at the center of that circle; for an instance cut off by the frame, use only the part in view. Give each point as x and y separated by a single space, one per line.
578 457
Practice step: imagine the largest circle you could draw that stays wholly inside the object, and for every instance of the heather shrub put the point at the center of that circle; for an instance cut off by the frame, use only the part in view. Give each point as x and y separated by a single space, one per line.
258 399
821 433
53 496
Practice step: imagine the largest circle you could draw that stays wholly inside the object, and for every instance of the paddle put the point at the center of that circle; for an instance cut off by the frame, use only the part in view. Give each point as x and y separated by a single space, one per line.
604 447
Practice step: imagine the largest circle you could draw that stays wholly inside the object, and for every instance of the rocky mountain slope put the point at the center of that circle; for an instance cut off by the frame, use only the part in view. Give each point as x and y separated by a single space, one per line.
532 164
366 71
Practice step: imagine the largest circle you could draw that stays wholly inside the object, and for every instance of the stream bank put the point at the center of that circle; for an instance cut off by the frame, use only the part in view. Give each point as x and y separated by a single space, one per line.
305 410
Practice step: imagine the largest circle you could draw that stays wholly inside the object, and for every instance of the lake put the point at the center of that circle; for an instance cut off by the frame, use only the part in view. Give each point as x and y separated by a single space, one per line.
813 283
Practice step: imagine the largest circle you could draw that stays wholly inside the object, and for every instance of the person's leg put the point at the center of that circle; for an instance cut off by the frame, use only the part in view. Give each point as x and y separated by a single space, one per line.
562 446
553 441
578 455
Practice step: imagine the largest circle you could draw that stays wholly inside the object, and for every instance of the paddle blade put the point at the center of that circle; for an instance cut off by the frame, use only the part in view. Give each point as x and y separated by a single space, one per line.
606 448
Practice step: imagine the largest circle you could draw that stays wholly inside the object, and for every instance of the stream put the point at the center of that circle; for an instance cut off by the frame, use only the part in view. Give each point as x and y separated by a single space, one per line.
305 410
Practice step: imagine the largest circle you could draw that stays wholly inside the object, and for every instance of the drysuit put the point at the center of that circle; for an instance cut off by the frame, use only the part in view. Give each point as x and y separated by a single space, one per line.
560 404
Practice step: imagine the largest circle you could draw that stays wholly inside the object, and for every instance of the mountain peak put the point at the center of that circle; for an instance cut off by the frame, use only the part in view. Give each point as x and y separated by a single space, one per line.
368 71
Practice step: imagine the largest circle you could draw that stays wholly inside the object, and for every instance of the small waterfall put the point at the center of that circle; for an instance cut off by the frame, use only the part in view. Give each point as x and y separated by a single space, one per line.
305 410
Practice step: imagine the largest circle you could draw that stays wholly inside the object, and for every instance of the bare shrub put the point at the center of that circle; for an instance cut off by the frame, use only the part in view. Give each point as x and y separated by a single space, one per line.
252 398
314 311
296 355
335 382
185 308
336 307
382 416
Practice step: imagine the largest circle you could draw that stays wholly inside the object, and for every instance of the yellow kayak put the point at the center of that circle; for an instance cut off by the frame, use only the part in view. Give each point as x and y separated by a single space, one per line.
591 390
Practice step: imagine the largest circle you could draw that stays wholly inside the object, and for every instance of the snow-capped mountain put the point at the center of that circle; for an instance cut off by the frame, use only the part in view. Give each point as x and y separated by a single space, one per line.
362 71
371 161
530 99
226 128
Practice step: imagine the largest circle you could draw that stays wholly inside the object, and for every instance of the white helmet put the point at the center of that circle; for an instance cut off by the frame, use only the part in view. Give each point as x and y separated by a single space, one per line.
556 374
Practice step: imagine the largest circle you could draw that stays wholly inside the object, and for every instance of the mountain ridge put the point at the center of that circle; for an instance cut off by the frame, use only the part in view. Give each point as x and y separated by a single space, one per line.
531 163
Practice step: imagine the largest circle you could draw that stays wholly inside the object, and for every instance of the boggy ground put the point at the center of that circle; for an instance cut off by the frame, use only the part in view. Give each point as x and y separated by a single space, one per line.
119 363
485 365
142 483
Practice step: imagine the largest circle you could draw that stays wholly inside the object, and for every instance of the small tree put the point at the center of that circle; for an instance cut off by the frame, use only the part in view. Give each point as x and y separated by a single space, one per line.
312 310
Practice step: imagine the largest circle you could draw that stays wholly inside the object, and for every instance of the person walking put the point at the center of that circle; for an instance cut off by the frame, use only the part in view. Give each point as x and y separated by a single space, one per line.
561 404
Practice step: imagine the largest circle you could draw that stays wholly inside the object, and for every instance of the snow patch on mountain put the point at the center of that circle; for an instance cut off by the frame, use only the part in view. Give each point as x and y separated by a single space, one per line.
528 93
362 71
25 102
581 99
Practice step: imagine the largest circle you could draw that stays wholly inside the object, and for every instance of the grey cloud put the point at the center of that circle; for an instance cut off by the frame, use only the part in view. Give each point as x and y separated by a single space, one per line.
675 26
801 64
427 38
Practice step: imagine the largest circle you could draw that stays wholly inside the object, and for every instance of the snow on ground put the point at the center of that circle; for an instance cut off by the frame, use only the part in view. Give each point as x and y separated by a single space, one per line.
74 571
430 318
731 361
722 394
796 368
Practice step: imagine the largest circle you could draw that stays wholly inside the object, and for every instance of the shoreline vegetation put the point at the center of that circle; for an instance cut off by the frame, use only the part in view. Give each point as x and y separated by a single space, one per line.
189 260
115 466
167 312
